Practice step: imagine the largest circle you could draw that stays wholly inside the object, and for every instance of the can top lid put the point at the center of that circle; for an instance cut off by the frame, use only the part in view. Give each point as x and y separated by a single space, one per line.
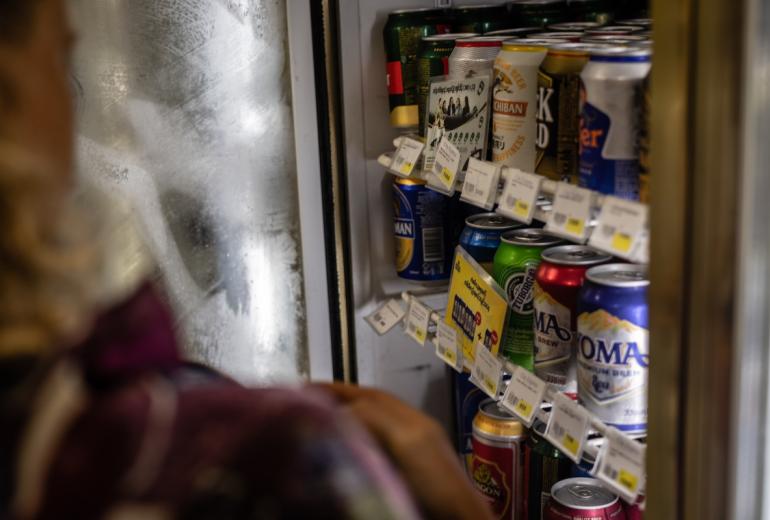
517 31
407 181
577 48
640 22
448 37
543 42
557 34
615 29
493 422
574 255
469 7
418 10
534 237
526 45
538 2
627 55
626 38
481 41
619 275
582 493
490 221
573 26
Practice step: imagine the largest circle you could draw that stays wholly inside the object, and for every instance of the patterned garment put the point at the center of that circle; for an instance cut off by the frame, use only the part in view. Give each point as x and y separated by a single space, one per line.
123 429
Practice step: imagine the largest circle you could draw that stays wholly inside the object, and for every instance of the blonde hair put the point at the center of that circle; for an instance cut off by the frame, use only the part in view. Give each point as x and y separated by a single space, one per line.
45 298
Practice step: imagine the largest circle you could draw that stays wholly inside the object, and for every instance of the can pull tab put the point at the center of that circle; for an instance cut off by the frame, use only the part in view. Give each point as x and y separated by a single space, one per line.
581 492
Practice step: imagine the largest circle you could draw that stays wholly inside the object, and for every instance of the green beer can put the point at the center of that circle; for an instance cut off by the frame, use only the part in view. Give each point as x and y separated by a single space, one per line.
514 269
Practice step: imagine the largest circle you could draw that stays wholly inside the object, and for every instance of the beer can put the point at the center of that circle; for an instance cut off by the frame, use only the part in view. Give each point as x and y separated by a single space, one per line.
625 40
467 398
558 111
538 12
420 226
614 30
518 32
481 236
573 26
570 36
473 56
514 100
608 95
555 297
402 33
582 498
644 102
584 468
497 468
432 61
544 466
646 23
634 511
514 268
480 19
613 350
597 11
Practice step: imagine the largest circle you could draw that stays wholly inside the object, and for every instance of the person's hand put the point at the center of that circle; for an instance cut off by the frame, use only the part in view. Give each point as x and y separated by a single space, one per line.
420 449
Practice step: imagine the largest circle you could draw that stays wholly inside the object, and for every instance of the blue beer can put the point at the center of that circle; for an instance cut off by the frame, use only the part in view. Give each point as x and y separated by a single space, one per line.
613 345
420 222
481 236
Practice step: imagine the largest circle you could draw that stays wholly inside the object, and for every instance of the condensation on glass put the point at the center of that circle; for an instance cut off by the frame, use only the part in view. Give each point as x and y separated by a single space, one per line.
184 110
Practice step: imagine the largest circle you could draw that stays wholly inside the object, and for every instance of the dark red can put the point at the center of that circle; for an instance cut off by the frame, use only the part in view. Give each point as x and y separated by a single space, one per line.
634 511
555 295
583 499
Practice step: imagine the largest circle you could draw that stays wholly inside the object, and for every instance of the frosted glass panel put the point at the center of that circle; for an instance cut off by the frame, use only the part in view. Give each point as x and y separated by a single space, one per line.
184 109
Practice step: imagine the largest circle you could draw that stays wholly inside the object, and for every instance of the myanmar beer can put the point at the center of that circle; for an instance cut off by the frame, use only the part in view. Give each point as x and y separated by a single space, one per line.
514 100
474 56
467 398
479 18
514 268
555 294
581 499
558 111
402 33
544 466
481 236
420 226
497 468
613 350
609 161
432 61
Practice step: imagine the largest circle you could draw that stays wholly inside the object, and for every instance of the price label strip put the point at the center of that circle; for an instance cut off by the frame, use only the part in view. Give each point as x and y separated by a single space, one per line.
524 394
621 464
571 212
567 427
447 348
520 195
487 371
387 316
407 156
417 321
445 167
621 229
480 186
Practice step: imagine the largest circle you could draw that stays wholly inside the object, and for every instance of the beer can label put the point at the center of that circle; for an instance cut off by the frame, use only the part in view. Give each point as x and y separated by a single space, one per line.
496 474
554 345
613 358
395 78
557 126
518 339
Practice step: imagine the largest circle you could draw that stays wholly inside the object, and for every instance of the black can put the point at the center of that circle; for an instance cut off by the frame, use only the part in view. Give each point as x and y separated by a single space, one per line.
544 466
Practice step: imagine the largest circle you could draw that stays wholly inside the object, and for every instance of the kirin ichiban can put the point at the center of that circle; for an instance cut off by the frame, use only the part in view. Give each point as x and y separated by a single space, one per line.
420 226
613 350
474 56
514 268
544 466
432 61
481 236
555 295
558 111
402 33
583 499
497 469
609 160
514 104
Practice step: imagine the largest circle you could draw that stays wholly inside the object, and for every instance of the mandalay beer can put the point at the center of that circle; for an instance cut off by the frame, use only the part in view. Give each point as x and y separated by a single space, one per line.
481 236
583 499
609 133
497 469
474 56
515 265
514 104
555 296
613 345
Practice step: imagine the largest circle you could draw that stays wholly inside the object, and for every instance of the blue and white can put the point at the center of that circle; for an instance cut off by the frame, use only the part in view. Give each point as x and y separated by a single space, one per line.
613 345
609 120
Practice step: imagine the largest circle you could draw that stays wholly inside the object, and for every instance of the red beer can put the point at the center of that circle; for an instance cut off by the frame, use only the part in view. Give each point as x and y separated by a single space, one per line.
497 467
555 295
634 511
582 499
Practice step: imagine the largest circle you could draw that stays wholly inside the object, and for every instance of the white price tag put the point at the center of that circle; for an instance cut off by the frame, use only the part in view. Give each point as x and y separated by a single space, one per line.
620 228
524 394
621 464
567 426
447 348
520 195
417 321
446 165
487 371
387 316
480 186
407 156
571 212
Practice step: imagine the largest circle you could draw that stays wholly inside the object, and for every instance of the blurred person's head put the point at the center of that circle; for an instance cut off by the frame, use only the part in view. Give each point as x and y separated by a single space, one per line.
40 288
